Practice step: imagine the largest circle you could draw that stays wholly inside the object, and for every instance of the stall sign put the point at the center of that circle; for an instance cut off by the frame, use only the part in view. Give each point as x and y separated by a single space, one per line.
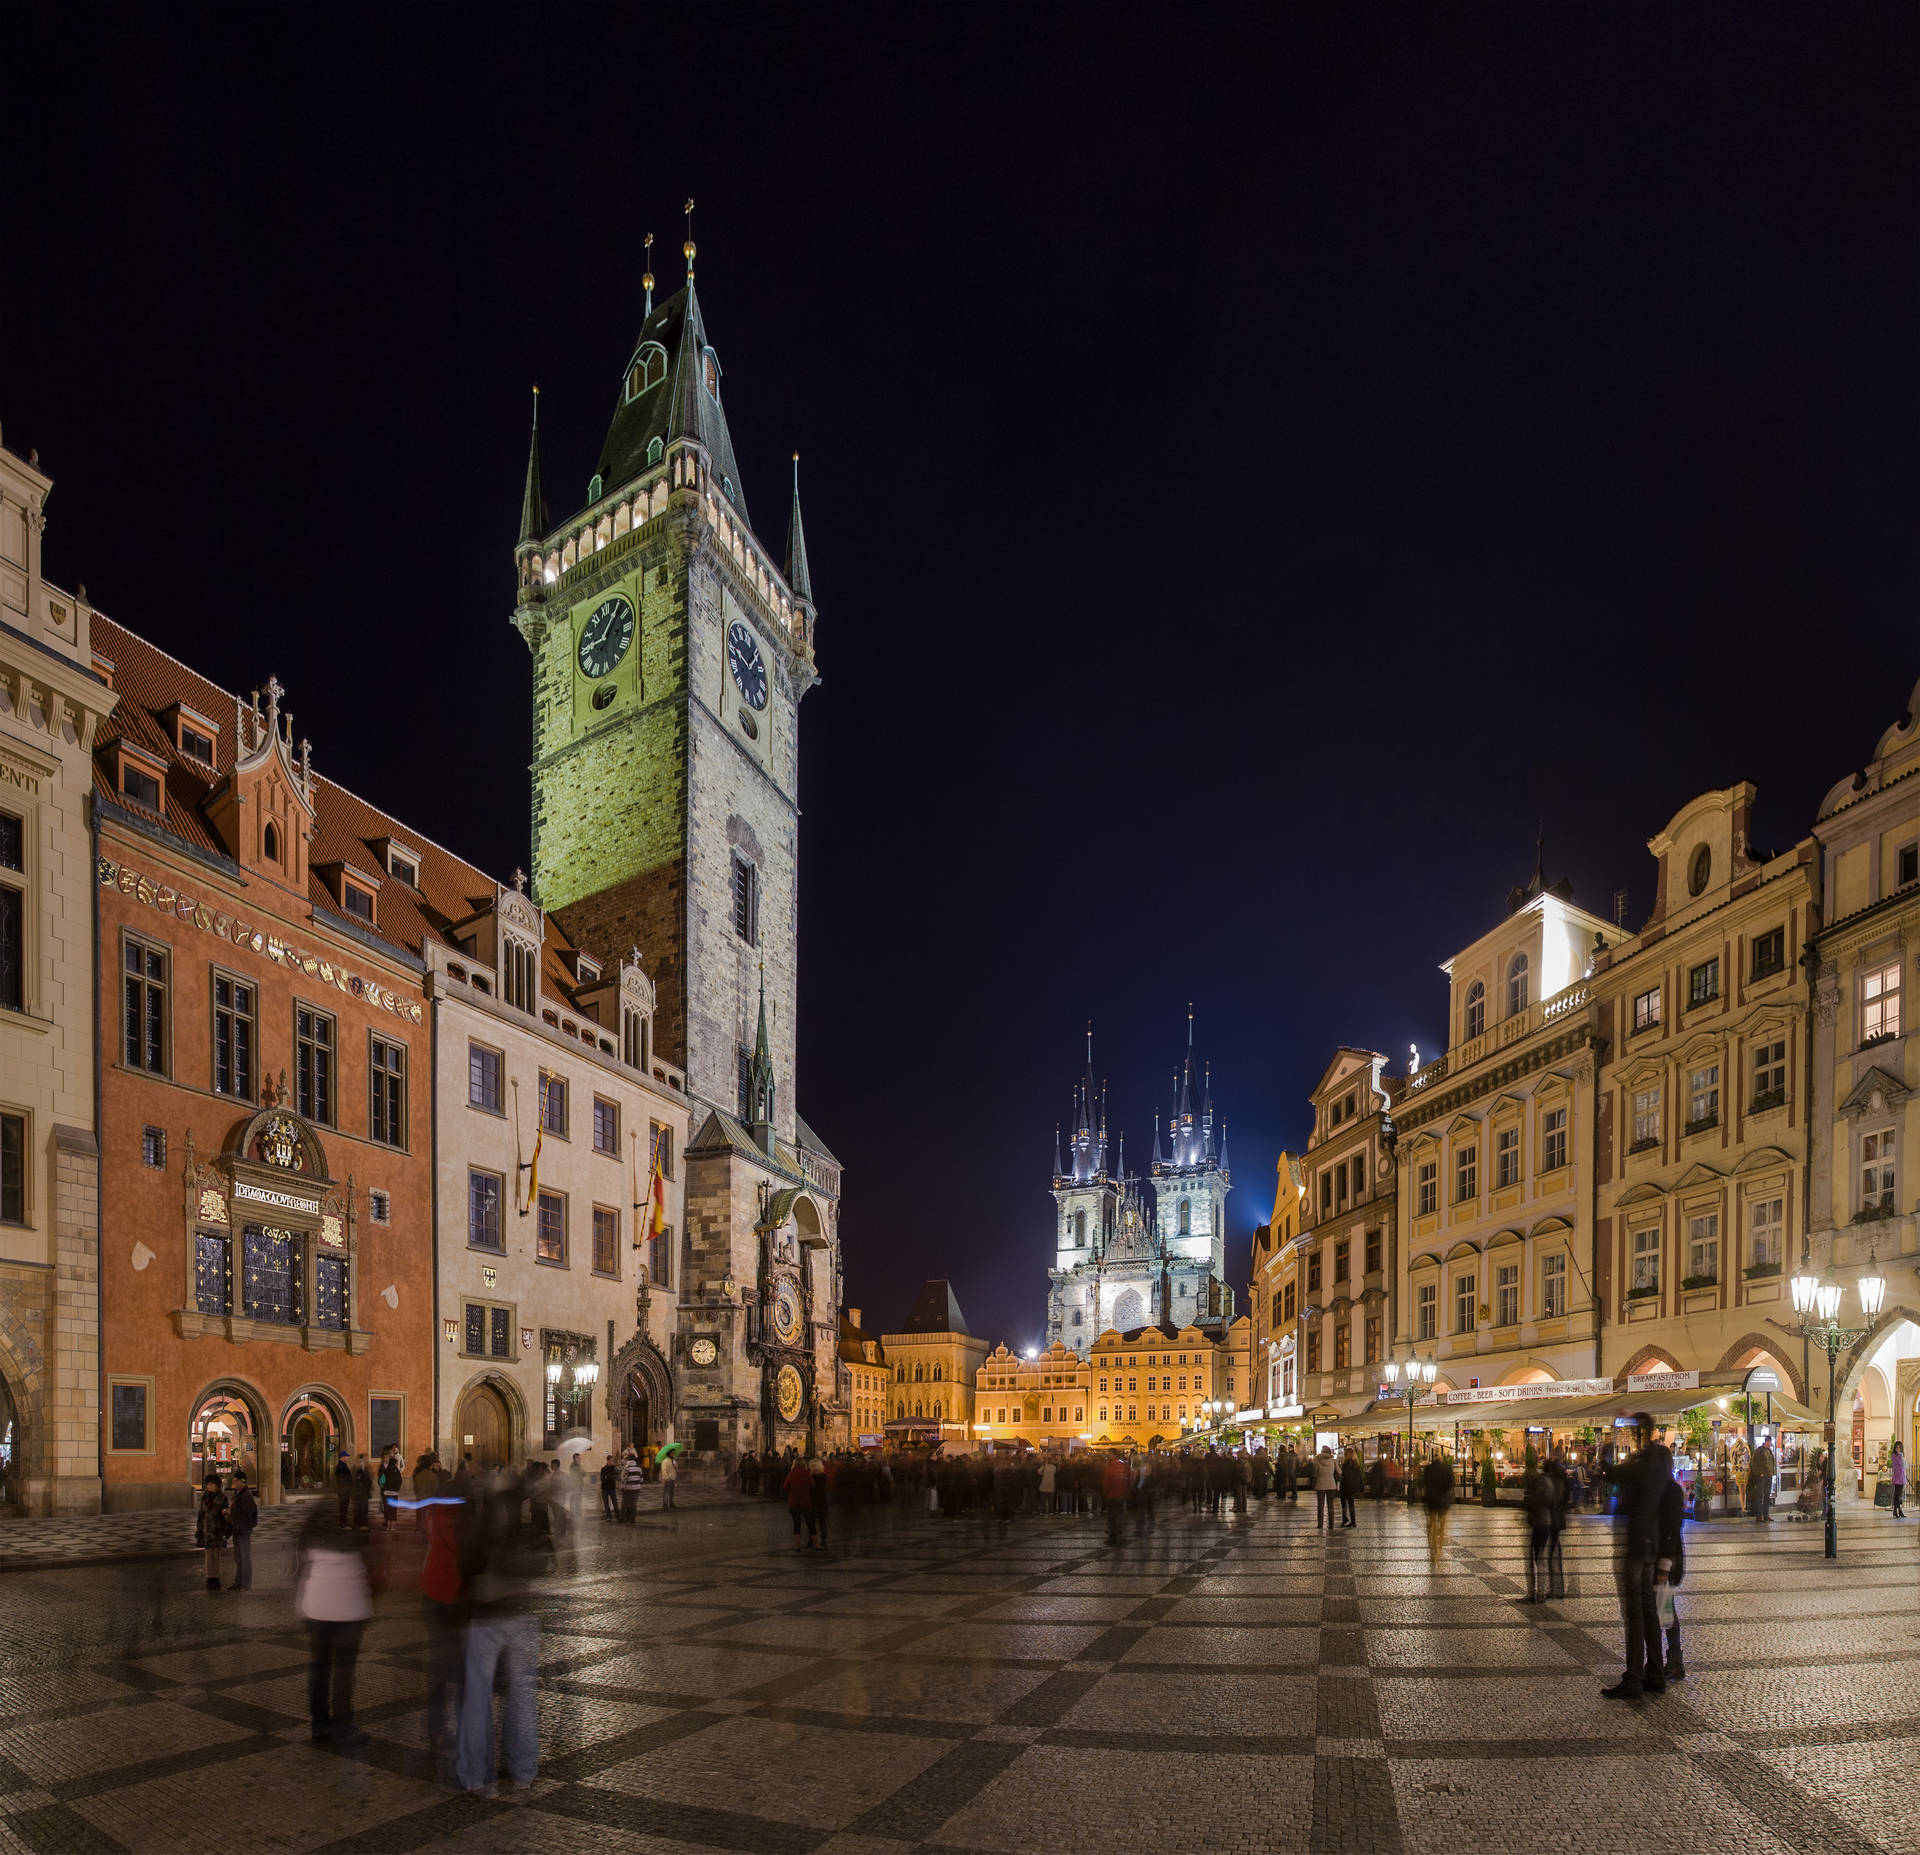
1525 1394
1663 1381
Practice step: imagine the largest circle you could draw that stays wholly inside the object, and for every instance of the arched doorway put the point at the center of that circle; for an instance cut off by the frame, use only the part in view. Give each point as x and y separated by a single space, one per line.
223 1435
484 1427
636 1417
313 1438
12 1452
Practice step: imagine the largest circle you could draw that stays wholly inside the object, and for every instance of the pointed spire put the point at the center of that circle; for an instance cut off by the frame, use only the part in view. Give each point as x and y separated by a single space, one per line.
1056 1150
1159 1157
799 580
1223 1146
760 1076
533 505
646 276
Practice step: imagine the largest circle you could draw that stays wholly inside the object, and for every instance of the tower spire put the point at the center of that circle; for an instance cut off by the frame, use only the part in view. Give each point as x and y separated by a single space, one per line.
533 505
760 1077
799 580
686 250
646 277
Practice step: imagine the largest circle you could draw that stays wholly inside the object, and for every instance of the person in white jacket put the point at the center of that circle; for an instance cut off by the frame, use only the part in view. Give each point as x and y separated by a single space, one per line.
1325 1480
669 1474
333 1592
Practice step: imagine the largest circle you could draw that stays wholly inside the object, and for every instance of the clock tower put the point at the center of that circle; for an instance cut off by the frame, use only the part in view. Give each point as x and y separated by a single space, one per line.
671 650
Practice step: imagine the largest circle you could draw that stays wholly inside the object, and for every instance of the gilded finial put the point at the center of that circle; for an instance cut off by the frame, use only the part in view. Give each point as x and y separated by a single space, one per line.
687 248
646 278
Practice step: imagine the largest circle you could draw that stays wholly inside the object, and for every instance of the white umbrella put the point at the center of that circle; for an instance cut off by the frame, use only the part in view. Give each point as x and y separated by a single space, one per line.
577 1444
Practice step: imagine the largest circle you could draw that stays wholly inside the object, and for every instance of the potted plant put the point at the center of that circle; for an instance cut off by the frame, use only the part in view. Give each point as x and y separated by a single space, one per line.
1489 1485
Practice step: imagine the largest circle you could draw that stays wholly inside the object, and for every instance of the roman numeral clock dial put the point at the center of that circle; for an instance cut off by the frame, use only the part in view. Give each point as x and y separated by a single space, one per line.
605 636
748 666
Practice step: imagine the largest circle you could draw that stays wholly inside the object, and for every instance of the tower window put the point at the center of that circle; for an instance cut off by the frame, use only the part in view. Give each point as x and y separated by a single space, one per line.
648 370
1079 1230
270 842
746 901
655 450
711 369
1186 1217
1516 985
1476 1009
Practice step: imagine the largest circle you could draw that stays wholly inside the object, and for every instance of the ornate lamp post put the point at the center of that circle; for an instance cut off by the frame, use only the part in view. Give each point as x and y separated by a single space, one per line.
1411 1381
1816 1299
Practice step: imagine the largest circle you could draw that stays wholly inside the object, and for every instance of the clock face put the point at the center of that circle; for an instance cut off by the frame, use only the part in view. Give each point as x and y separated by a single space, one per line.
786 1311
789 1393
605 636
703 1351
749 668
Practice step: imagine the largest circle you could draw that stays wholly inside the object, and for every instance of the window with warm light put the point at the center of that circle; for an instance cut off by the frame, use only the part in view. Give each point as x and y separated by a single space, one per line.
1877 1176
1553 1287
1880 1003
1646 1259
1703 1097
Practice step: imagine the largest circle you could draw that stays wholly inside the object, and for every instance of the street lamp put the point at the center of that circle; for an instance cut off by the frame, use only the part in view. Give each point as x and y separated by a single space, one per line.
1411 1381
1816 1299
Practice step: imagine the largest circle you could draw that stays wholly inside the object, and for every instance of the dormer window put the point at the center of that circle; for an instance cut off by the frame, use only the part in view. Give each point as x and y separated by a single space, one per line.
711 373
593 487
726 488
402 870
655 450
357 900
140 783
195 745
648 370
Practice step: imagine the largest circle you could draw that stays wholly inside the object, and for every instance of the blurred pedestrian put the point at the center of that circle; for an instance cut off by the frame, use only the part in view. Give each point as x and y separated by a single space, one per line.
1436 1496
1669 1569
669 1474
211 1526
1350 1485
610 1489
631 1476
440 1516
343 1487
799 1485
1116 1483
333 1593
817 1488
391 1479
1897 1475
502 1558
362 1493
1639 1487
243 1515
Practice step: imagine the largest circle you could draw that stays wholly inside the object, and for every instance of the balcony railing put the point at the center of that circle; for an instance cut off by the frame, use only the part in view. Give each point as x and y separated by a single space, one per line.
1507 1032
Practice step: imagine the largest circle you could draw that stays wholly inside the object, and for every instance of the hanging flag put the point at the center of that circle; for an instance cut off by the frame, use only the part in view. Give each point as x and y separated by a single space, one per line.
539 1134
658 1192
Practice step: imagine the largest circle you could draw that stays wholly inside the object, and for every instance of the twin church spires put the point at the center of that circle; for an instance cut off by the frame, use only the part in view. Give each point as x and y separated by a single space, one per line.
1189 1146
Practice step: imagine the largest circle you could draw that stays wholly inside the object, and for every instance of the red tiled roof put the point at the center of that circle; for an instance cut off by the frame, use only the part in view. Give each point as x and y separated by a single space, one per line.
346 828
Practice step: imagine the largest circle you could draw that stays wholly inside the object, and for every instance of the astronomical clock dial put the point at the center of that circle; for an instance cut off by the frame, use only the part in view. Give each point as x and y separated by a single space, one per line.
789 1394
786 1312
605 636
703 1351
748 666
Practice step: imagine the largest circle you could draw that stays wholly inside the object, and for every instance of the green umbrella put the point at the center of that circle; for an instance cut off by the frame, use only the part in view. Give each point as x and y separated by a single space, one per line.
667 1449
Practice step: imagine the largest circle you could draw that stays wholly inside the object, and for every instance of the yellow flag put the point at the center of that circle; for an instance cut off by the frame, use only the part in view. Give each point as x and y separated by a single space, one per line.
539 1134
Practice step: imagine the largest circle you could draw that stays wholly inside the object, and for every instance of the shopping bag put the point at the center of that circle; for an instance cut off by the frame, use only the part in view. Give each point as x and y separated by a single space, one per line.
1664 1606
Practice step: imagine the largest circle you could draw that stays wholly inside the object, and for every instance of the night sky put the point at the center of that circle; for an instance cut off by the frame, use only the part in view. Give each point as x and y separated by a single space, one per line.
1254 468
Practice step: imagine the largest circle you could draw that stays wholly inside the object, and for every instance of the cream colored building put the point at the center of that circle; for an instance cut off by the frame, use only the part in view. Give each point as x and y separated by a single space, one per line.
1344 1255
559 1307
1494 1149
1866 1119
1274 1312
866 1381
1150 1388
936 1361
51 703
1703 1110
1039 1400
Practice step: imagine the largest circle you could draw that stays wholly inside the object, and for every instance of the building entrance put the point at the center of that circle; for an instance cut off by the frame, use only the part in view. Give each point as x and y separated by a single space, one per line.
484 1428
636 1431
222 1437
312 1440
12 1494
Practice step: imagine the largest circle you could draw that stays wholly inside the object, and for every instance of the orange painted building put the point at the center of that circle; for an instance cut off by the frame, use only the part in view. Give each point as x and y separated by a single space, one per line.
265 1118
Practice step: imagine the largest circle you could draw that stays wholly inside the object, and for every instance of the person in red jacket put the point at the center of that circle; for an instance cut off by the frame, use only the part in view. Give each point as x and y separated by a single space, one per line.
1116 1483
439 1515
799 1485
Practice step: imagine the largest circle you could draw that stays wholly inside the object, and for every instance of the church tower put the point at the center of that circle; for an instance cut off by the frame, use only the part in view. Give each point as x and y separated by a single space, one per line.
1190 1185
671 648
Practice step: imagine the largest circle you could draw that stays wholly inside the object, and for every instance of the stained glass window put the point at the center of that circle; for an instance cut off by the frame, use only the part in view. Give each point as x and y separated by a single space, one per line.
272 1276
210 1274
330 1292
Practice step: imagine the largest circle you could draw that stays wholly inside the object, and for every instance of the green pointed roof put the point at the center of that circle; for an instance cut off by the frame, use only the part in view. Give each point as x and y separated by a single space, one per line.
799 580
533 505
676 406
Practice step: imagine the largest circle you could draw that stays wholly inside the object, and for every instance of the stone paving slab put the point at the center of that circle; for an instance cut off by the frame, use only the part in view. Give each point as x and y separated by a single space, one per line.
1230 1683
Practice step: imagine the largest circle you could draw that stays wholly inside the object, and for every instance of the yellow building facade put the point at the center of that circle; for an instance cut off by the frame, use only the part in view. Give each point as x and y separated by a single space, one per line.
866 1381
1703 1106
1494 1151
934 1360
1270 1272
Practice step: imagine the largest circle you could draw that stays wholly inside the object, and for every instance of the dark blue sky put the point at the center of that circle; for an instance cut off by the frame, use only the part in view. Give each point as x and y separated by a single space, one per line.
1254 467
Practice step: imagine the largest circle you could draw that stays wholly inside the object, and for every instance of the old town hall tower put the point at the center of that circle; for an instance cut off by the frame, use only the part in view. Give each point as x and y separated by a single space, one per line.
670 654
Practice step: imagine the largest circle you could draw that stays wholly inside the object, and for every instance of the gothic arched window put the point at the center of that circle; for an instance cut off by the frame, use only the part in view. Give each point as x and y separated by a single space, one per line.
712 374
936 1410
649 369
270 842
936 1374
1186 1217
1476 1009
1516 985
1079 1230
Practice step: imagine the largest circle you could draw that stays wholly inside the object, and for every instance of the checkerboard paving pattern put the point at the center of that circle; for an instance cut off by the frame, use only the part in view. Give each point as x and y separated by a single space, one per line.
1240 1683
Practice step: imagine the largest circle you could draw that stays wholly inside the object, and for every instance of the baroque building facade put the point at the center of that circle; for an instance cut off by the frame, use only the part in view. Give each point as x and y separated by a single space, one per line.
1128 1254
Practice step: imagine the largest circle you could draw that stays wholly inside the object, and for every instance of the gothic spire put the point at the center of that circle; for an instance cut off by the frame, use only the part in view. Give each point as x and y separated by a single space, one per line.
760 1077
1056 1149
533 505
799 580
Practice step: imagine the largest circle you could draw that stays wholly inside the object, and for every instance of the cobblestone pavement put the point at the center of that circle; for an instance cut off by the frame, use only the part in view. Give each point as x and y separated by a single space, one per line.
1232 1684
